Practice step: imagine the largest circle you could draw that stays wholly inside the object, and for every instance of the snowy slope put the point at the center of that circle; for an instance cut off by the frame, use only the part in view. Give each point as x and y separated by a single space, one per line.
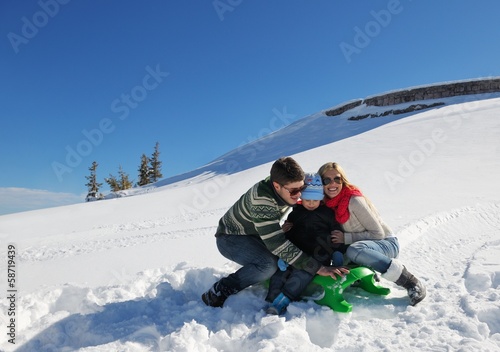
126 274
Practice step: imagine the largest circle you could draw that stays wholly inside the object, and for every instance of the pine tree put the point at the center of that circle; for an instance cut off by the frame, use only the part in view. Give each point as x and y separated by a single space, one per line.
144 171
113 183
155 172
92 184
124 181
121 183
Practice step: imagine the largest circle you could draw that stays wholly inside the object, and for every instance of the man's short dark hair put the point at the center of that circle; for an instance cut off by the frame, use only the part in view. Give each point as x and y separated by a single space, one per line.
286 170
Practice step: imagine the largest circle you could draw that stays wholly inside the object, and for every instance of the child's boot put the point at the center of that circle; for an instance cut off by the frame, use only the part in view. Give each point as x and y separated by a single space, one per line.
279 305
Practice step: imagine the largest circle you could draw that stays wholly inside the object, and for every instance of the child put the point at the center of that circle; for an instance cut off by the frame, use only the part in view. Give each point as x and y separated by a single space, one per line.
309 227
311 222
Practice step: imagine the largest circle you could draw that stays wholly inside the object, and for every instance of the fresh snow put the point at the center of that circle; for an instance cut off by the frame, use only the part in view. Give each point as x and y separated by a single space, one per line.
126 274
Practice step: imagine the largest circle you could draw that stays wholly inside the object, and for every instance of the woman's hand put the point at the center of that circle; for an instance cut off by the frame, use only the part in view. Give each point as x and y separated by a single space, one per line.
337 237
287 225
332 271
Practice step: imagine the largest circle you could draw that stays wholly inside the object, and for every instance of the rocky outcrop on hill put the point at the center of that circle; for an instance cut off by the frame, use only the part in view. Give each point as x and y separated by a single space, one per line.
435 91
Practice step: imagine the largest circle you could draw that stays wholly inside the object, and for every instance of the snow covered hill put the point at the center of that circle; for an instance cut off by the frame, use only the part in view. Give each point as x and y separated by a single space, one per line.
126 274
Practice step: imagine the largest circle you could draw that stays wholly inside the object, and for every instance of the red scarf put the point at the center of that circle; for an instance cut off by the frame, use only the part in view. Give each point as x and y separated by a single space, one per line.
340 203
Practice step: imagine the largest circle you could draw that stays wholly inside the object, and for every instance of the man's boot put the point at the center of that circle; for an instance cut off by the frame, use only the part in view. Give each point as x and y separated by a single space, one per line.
217 295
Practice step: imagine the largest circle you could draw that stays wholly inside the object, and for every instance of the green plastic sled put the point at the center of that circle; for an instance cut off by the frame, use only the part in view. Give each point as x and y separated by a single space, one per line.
334 288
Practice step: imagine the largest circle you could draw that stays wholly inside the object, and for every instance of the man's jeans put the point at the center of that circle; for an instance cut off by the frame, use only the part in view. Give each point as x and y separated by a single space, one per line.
258 263
375 254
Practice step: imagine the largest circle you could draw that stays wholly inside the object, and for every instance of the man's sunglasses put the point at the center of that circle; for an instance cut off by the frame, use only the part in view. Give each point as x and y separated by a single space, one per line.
295 191
327 180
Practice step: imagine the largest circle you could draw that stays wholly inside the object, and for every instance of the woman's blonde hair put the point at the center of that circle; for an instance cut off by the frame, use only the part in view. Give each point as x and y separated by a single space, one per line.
345 182
335 166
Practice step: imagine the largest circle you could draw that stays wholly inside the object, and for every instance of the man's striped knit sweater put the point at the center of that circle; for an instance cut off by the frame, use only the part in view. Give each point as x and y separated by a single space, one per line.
258 213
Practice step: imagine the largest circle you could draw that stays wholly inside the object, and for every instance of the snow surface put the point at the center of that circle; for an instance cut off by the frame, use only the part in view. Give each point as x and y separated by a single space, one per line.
126 274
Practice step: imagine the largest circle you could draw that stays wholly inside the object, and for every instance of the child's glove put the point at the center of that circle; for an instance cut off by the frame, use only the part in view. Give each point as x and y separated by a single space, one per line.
282 264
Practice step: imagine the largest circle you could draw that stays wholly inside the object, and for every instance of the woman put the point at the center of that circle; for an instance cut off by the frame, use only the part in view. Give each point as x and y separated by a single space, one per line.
371 242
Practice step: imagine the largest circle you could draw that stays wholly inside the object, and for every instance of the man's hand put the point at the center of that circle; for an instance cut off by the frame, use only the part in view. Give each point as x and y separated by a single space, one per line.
332 271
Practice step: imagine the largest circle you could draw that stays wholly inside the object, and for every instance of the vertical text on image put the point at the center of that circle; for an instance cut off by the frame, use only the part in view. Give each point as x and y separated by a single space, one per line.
11 292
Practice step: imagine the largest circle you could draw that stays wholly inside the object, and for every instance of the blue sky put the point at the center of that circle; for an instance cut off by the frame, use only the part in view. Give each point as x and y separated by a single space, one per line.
85 81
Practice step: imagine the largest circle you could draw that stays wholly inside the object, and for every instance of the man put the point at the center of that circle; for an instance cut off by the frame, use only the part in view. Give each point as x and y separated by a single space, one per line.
250 233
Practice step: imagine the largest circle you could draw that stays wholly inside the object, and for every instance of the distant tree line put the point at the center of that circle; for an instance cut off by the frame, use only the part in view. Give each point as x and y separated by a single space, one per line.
149 172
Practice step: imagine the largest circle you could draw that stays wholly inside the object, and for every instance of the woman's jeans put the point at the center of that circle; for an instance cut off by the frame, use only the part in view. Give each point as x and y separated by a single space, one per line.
375 254
258 263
